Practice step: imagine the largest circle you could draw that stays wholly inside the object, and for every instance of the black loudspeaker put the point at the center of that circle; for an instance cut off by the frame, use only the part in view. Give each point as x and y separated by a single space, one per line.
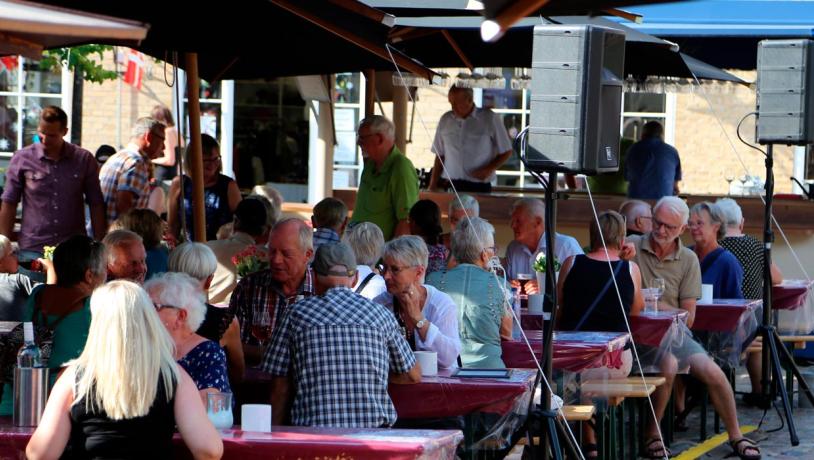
785 92
576 84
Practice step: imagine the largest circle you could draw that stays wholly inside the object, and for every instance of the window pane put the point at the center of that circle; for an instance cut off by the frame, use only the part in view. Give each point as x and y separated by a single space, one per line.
9 119
632 126
345 121
9 73
502 99
512 122
31 115
347 88
41 81
645 102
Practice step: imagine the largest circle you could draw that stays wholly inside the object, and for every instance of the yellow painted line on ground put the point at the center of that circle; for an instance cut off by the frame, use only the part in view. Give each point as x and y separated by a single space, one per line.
709 444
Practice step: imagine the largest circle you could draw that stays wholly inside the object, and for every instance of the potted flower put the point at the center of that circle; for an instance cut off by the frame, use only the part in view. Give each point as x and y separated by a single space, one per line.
250 260
540 269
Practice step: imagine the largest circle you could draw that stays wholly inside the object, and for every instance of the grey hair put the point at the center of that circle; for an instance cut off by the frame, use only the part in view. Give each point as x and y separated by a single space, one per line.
732 211
379 125
471 237
119 238
274 197
633 209
145 125
367 241
5 246
409 249
716 216
467 202
534 207
179 290
675 205
305 234
195 259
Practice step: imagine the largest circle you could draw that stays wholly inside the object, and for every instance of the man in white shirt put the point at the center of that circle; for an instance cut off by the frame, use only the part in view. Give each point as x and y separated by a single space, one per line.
472 143
528 225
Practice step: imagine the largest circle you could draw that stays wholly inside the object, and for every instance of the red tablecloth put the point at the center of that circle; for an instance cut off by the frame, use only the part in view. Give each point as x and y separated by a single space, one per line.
531 321
445 396
723 315
573 351
439 396
650 328
297 443
790 295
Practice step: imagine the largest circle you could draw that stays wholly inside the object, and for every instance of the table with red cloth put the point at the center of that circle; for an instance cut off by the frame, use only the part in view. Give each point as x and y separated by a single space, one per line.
573 350
725 327
294 443
532 321
655 333
790 294
793 307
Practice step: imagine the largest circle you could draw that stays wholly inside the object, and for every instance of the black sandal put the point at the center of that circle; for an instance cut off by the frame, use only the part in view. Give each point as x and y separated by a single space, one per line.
740 446
590 450
657 451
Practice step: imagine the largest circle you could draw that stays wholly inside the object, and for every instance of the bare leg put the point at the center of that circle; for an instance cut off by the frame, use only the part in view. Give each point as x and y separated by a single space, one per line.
661 396
754 366
720 392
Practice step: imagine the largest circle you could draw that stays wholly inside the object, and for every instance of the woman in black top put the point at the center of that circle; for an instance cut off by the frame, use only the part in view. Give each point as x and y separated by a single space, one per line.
589 301
125 394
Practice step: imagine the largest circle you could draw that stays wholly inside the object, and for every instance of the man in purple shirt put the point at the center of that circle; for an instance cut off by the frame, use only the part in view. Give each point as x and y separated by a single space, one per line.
54 179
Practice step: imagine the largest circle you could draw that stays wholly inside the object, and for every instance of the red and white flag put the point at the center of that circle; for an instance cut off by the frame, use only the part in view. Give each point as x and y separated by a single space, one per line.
135 68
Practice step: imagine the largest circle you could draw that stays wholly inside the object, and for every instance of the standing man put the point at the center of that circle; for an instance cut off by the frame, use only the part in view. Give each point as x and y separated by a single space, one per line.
54 179
471 142
652 166
389 184
125 177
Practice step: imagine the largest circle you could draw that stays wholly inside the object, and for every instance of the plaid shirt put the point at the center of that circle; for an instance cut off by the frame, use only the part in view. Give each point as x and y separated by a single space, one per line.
341 348
324 236
259 291
126 171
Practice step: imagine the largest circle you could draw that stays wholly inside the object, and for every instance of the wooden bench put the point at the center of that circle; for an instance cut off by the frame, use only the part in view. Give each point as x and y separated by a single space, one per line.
799 342
580 413
648 379
617 392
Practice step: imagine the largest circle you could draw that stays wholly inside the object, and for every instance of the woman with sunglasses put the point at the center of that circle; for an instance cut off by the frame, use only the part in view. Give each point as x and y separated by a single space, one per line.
180 305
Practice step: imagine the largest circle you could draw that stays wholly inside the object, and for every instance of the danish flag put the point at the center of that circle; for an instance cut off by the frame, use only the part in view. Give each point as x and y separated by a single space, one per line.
135 68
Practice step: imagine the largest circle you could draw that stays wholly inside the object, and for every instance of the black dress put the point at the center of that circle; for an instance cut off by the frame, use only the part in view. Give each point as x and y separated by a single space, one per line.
582 289
95 436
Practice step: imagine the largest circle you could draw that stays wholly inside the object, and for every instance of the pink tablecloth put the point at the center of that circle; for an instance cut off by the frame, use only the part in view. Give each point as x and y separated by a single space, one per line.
297 443
573 351
439 396
790 296
651 328
723 315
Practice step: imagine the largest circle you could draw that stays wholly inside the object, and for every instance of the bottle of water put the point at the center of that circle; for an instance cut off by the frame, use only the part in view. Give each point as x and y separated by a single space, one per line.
29 354
516 326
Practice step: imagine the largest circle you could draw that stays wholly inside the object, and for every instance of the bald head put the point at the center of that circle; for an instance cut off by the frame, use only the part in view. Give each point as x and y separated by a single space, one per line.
638 215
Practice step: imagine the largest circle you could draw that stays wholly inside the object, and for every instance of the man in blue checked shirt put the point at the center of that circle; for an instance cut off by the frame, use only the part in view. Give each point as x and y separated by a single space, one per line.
334 353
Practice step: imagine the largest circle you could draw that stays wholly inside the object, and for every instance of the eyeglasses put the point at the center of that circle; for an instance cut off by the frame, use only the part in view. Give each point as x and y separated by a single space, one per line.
212 160
394 270
658 224
159 307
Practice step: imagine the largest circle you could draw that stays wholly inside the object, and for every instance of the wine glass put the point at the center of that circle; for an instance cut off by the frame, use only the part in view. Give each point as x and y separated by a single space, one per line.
261 325
743 179
729 176
658 285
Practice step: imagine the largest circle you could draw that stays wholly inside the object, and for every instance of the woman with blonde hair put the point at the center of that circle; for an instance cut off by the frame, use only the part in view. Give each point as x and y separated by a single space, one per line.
125 394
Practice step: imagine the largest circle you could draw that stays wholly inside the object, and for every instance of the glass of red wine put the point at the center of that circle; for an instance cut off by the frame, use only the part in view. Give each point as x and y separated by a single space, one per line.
261 325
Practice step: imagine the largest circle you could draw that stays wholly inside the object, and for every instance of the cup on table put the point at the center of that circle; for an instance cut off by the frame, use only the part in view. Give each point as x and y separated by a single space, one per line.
428 361
650 299
255 417
219 409
706 293
536 303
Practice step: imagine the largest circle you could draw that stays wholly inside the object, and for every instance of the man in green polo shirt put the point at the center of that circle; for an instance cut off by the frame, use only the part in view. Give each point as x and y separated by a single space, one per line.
389 184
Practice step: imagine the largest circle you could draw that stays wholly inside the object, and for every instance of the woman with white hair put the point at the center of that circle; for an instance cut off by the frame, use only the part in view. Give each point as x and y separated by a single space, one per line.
219 325
180 305
14 287
718 266
428 317
367 241
124 395
480 295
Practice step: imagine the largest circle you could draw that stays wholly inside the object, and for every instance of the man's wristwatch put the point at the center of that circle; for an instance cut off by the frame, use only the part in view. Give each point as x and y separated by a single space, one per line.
421 323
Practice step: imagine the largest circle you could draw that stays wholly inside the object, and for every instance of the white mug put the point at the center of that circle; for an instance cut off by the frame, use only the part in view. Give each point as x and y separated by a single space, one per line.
255 417
428 361
706 293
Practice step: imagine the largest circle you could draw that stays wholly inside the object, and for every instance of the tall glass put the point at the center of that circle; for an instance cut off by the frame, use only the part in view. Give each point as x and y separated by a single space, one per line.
219 410
658 285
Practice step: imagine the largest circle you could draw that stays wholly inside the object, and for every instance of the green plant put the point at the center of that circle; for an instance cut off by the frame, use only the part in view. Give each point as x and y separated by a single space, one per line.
540 265
80 59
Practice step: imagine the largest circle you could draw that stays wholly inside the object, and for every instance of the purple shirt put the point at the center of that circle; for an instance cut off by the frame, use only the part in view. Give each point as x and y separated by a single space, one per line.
53 193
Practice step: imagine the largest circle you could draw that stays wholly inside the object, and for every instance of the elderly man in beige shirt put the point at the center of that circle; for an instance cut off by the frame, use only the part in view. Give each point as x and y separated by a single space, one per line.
250 228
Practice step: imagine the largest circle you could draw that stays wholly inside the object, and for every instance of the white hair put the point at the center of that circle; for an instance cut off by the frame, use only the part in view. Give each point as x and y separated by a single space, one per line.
379 125
675 205
305 234
5 246
367 241
633 209
179 290
471 237
732 211
195 259
532 206
119 238
467 202
145 125
410 250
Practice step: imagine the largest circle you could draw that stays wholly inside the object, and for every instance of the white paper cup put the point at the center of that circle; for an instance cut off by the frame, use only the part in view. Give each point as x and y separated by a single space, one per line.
536 303
255 417
706 293
428 361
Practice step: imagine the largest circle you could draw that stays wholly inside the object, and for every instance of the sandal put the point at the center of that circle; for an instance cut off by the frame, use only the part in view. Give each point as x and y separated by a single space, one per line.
654 449
590 450
740 446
